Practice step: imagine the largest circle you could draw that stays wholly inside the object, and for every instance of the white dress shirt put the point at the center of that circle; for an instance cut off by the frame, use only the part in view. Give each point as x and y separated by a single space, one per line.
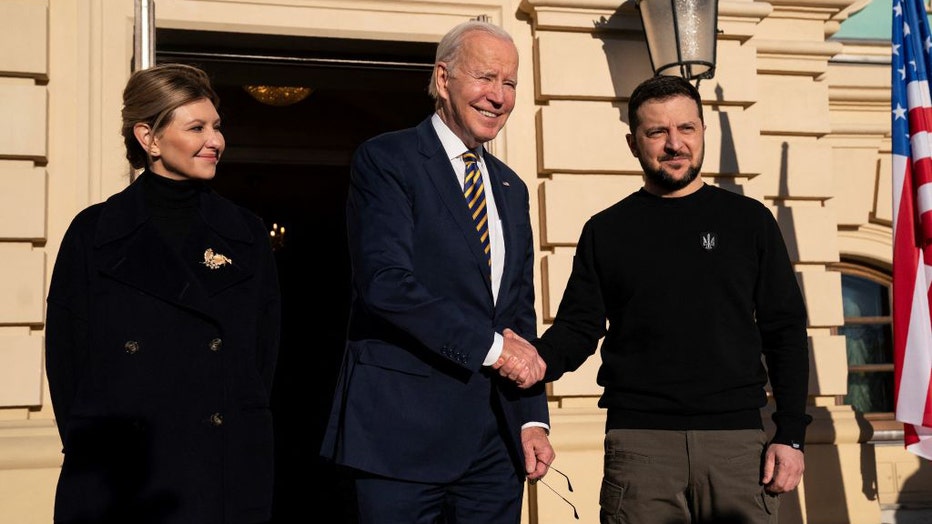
454 149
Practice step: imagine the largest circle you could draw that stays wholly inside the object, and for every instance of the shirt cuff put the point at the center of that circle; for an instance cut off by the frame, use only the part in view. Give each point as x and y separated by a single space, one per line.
537 425
496 350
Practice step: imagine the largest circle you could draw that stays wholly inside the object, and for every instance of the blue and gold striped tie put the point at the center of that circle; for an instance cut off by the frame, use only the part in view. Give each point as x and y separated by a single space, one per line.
475 198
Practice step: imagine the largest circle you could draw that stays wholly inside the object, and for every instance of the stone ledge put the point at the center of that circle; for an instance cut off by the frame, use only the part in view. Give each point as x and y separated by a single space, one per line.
32 444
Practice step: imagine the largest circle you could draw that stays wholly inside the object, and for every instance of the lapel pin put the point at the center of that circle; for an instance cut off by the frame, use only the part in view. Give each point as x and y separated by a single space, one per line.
506 184
215 260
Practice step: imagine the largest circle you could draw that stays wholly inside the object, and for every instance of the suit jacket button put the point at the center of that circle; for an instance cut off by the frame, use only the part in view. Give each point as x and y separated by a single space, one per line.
216 420
215 344
131 346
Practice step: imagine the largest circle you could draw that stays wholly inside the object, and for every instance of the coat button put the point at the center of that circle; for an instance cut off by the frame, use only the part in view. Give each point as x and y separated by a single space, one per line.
215 344
131 346
216 420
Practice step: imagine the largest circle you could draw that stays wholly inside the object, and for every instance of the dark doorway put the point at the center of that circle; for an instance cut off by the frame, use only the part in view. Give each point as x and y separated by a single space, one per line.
290 165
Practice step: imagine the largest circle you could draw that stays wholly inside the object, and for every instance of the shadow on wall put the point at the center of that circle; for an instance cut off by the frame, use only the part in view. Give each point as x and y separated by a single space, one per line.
783 215
913 506
825 498
728 158
625 50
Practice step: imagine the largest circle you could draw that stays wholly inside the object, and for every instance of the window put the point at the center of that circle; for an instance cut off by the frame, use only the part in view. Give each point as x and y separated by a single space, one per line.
868 331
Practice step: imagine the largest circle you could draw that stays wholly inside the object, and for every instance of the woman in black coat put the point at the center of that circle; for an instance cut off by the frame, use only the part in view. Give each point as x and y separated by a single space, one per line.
163 329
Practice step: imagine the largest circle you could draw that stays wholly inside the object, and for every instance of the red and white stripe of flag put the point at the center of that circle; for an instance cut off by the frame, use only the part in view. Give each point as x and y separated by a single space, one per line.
912 274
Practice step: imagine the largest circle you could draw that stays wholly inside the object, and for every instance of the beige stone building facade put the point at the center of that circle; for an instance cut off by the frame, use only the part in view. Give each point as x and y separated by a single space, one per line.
796 119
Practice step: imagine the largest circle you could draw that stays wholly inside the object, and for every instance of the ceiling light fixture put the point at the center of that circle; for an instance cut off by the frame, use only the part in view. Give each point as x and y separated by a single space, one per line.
278 96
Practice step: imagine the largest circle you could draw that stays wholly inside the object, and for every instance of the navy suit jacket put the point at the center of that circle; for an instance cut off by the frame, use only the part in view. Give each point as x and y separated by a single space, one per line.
412 392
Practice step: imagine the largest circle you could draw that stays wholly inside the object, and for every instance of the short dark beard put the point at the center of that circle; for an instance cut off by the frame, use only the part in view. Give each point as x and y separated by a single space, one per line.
663 180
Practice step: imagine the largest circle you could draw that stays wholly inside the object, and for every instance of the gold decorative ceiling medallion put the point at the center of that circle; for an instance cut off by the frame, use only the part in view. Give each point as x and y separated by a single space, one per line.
278 96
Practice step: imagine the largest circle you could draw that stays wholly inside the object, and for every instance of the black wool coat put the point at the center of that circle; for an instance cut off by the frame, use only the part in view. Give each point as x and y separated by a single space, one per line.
160 366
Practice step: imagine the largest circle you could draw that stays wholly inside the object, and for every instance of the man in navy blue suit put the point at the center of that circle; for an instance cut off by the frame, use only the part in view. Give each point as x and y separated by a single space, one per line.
425 415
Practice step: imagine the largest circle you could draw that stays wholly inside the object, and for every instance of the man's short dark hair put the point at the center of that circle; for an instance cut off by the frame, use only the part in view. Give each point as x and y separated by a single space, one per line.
660 87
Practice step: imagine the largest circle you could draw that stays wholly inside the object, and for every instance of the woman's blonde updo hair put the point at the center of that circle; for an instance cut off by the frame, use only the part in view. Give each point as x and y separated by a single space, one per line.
152 95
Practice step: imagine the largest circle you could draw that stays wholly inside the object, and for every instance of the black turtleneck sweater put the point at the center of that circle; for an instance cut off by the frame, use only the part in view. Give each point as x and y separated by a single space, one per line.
172 205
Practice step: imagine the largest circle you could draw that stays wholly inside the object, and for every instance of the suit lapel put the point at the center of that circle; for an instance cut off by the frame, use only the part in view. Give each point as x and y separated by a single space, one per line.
438 170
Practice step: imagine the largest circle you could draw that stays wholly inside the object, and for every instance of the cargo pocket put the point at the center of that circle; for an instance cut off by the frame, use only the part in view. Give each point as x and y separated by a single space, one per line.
771 502
610 498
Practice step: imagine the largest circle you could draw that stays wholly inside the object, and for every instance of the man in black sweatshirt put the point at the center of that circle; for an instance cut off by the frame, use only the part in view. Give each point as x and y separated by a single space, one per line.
689 285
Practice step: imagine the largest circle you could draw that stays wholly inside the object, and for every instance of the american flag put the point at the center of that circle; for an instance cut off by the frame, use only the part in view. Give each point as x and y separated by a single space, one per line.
912 223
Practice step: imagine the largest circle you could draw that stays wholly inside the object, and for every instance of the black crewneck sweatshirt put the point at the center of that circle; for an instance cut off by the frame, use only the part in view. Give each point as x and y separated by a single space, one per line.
688 293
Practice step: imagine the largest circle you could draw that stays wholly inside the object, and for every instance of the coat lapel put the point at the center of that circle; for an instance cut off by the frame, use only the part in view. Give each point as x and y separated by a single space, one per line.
223 231
145 262
131 250
228 266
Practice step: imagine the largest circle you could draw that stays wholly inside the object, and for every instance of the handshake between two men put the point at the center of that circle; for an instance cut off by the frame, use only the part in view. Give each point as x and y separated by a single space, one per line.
519 361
